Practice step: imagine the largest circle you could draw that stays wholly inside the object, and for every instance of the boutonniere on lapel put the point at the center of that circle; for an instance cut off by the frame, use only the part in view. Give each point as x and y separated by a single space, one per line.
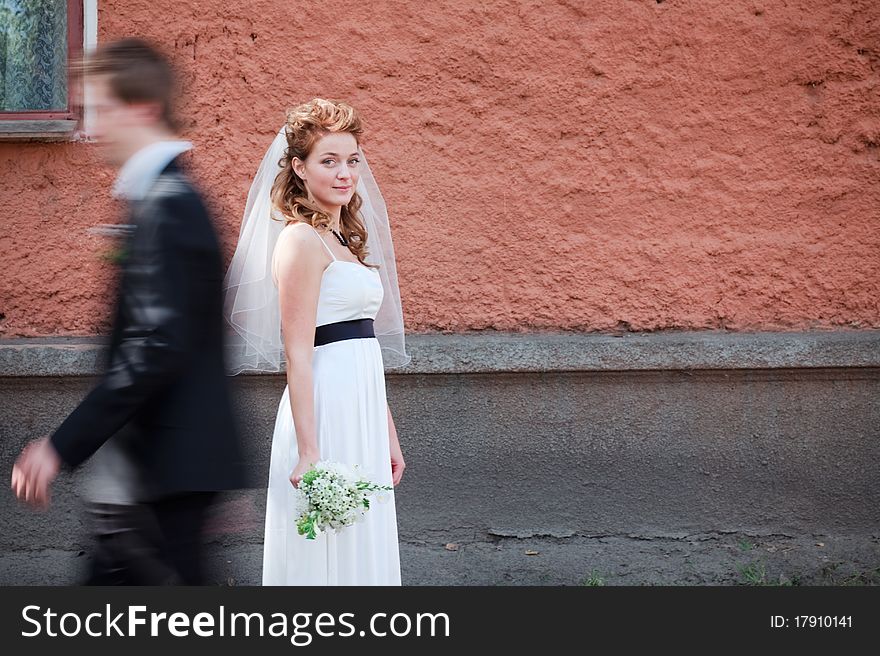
119 233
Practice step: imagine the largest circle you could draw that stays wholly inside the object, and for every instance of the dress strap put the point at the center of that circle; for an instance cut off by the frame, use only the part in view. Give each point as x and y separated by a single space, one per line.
322 241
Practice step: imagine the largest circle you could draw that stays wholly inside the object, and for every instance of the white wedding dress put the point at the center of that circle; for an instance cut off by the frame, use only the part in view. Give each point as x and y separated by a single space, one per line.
351 419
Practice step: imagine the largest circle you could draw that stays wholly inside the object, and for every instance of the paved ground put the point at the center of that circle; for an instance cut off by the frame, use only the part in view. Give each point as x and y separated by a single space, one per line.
704 559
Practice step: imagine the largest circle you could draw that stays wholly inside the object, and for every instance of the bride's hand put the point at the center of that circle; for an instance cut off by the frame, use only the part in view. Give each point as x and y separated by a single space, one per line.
305 464
397 463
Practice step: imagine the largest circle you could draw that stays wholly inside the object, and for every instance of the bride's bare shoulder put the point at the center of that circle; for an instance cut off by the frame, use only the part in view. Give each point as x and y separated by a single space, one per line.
297 236
297 247
297 230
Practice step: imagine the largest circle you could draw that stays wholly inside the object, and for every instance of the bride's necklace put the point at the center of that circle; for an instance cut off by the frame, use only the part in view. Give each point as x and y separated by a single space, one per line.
341 239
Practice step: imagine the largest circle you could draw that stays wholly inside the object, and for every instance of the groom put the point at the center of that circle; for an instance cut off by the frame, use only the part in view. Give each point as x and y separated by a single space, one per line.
160 418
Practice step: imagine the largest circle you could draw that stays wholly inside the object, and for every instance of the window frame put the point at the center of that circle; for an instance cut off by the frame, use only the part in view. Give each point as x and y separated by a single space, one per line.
48 125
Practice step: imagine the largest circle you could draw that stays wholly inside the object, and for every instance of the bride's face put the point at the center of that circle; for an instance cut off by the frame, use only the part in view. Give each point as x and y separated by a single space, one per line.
331 170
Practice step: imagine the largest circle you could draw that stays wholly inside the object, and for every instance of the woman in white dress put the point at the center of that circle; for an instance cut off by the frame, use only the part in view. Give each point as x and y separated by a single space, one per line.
332 317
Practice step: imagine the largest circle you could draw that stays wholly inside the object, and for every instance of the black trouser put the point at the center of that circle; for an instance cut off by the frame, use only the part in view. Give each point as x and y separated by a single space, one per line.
154 543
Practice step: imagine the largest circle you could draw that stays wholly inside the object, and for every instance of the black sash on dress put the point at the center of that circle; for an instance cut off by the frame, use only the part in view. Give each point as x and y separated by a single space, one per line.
335 332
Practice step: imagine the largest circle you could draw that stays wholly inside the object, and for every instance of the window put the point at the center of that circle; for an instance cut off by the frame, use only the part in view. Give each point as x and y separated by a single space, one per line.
38 40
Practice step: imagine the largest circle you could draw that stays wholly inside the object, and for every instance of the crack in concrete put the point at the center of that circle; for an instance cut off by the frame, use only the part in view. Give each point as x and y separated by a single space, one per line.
494 536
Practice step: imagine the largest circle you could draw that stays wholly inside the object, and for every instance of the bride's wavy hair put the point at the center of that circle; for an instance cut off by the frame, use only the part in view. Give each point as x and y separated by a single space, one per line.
306 124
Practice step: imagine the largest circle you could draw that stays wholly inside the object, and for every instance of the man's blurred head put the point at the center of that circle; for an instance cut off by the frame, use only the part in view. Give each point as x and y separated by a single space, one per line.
130 86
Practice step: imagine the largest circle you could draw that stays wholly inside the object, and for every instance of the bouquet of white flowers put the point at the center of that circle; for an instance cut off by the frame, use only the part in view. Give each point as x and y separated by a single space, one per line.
330 495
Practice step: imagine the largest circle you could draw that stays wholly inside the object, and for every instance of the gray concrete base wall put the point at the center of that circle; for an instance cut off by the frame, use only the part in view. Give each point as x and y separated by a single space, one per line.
563 442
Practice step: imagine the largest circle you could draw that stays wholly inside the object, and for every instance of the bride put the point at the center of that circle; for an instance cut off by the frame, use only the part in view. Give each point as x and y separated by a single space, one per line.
312 290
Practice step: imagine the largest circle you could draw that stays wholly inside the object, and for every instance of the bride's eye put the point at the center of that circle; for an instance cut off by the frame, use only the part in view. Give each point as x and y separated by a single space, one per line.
354 161
327 161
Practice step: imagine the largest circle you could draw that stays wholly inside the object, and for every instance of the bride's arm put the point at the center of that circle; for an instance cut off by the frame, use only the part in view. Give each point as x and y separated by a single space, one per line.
397 462
299 266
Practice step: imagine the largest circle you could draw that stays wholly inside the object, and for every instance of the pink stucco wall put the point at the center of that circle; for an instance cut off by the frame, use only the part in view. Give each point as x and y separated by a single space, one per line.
635 165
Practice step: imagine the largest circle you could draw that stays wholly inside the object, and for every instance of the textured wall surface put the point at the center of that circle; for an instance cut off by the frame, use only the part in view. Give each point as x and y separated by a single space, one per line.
636 165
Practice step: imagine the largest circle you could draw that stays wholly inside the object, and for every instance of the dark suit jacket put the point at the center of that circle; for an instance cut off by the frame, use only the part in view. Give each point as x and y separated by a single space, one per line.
164 401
